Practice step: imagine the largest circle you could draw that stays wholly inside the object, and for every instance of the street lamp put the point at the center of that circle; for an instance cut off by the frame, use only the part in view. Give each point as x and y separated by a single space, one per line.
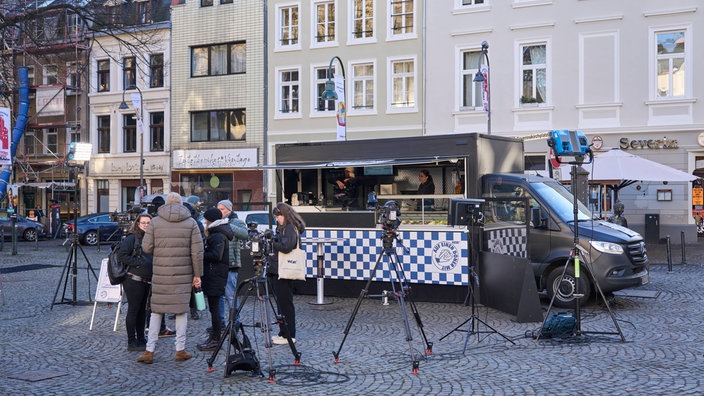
330 93
140 122
479 77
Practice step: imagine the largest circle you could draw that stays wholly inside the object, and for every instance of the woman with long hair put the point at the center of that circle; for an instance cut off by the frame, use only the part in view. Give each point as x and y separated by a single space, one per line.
136 286
289 228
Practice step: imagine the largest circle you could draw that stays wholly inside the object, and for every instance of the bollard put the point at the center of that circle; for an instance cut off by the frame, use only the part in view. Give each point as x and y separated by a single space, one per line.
100 231
2 238
684 259
669 255
36 242
14 234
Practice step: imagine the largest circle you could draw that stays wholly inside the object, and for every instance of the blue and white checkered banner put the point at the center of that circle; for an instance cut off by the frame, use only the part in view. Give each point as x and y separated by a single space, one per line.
432 257
512 241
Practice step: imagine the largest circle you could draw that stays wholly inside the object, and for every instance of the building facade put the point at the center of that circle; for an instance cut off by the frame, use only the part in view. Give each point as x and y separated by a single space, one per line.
218 125
129 117
623 74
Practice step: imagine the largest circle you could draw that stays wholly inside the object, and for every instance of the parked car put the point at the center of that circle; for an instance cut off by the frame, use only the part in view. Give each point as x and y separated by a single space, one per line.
261 217
89 226
26 229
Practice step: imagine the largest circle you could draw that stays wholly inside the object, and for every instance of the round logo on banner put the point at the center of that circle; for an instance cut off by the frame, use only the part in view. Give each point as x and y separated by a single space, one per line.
445 256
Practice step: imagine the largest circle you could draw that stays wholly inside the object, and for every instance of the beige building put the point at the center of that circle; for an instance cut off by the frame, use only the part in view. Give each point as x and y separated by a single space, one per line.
625 75
217 100
125 135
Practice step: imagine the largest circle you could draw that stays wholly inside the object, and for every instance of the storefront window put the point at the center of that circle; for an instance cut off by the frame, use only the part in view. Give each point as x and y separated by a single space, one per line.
210 187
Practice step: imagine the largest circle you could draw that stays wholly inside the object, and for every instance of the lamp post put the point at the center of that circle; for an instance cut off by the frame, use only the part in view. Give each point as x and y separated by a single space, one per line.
479 77
140 122
330 93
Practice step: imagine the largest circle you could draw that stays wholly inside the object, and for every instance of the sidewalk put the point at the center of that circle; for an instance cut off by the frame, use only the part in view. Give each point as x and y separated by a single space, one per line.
51 351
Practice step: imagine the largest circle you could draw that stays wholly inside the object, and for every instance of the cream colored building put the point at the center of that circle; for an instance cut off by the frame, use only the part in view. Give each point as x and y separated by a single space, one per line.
623 72
378 43
217 100
121 137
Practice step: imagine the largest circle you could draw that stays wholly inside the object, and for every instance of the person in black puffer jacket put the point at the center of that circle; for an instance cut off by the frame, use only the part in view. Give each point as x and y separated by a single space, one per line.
136 286
216 259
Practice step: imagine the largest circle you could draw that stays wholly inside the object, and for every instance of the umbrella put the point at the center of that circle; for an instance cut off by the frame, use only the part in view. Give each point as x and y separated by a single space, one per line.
620 169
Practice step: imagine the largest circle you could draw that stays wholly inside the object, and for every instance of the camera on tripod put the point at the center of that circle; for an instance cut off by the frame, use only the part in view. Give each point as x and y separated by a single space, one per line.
259 245
390 216
124 219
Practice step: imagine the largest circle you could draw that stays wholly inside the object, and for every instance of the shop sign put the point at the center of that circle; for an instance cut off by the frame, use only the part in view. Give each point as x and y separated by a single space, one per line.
664 143
698 196
211 159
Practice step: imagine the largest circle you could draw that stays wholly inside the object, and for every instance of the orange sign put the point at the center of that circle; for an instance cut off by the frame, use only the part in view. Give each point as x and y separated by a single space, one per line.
698 196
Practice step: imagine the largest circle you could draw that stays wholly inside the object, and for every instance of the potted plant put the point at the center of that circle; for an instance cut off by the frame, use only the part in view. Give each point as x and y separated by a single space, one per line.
531 101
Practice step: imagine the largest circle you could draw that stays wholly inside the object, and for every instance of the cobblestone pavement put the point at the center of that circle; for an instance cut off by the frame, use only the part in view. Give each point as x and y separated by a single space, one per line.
47 351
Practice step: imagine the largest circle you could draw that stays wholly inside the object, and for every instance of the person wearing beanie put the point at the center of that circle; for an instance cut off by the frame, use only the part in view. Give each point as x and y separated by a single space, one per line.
239 229
215 267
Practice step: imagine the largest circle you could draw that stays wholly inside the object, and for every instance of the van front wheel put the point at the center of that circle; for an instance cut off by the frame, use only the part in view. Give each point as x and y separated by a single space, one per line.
564 289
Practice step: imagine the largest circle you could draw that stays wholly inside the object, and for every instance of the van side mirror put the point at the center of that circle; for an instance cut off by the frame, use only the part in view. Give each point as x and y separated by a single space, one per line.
537 219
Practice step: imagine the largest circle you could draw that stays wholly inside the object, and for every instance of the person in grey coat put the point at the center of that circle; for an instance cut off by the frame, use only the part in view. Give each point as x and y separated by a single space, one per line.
174 241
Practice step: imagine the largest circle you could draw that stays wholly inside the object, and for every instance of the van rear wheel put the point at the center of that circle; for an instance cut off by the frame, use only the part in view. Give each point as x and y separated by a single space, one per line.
564 289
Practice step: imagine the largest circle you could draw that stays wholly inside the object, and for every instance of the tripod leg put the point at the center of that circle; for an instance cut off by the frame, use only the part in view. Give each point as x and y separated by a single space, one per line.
281 321
416 315
362 294
64 275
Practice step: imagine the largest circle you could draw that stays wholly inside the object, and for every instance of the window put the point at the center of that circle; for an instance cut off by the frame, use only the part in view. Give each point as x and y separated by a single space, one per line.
534 73
218 125
156 71
534 162
225 1
104 134
143 11
220 59
288 26
156 131
51 141
472 2
320 76
51 74
362 79
324 20
289 85
403 95
30 75
104 75
129 133
73 76
30 144
670 61
362 19
73 135
129 72
206 3
402 16
471 95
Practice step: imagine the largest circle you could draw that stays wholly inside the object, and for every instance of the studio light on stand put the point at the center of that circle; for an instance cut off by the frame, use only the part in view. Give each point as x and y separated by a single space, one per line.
140 124
76 157
486 86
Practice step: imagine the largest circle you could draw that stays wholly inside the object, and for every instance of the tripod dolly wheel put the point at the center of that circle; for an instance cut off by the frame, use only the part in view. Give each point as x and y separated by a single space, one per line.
564 288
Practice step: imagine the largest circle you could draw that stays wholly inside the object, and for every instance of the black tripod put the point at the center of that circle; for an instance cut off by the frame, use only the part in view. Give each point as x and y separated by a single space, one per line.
403 293
575 254
257 286
71 265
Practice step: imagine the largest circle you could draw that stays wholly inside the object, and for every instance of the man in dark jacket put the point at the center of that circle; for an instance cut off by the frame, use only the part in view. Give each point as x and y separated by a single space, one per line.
174 240
239 229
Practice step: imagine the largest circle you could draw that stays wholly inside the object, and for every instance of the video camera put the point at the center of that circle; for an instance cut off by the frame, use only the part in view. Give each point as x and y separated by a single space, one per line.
124 219
389 216
259 244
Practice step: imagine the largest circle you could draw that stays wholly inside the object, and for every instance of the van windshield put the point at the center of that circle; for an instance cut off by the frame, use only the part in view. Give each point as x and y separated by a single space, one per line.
560 200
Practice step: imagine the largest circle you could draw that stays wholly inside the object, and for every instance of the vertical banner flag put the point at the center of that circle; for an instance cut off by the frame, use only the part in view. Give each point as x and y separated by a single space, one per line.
340 107
485 87
5 128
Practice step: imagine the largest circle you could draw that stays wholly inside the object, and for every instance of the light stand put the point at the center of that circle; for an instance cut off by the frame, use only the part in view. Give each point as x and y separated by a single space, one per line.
475 219
575 255
140 124
479 77
71 265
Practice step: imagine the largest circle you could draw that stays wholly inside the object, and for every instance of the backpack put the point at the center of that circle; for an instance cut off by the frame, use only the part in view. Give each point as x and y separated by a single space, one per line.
560 325
244 358
117 271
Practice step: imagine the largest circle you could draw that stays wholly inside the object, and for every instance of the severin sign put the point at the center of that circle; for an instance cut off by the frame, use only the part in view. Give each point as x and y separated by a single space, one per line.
664 143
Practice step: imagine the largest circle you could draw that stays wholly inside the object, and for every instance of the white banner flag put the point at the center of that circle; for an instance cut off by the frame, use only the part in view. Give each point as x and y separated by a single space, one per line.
340 107
5 136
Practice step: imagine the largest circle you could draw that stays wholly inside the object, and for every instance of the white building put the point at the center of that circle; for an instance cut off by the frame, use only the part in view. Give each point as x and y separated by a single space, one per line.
624 74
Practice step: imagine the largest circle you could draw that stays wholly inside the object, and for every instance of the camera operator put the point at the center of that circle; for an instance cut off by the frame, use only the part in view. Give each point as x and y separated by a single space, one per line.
289 228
